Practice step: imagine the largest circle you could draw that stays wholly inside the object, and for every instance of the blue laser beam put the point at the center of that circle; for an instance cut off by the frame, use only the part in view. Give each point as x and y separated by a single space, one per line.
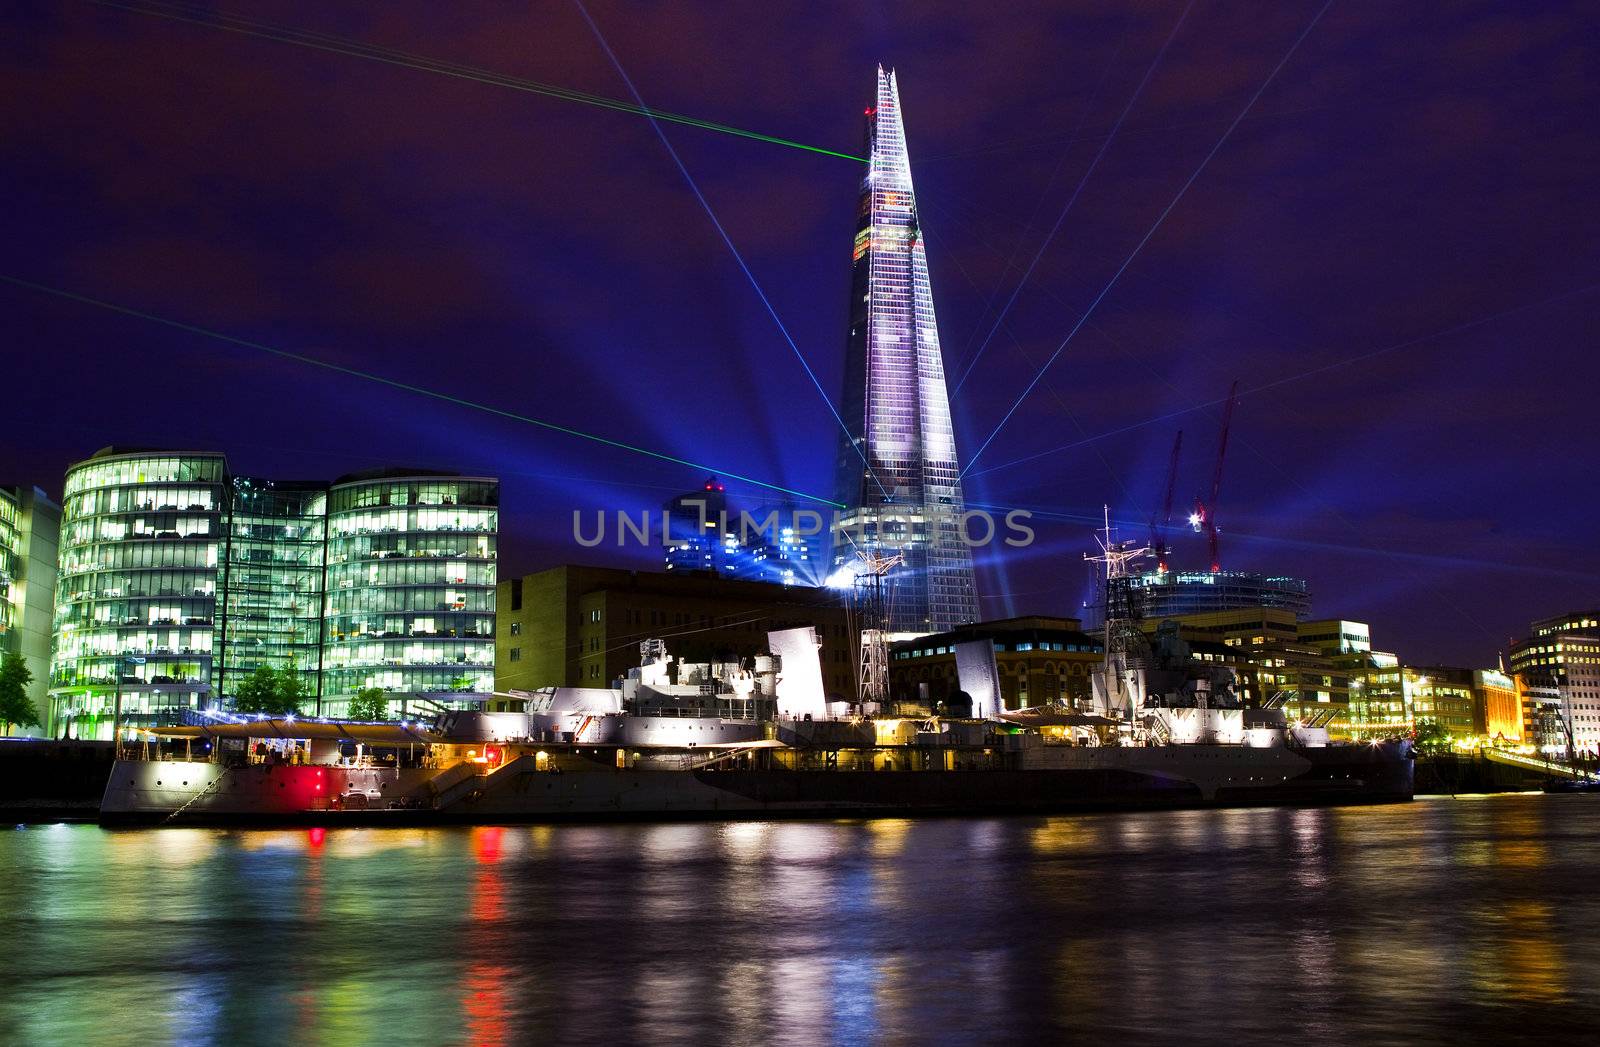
1076 192
727 240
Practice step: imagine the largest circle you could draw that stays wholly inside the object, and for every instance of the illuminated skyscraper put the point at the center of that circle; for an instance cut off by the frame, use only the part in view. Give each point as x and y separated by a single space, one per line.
899 477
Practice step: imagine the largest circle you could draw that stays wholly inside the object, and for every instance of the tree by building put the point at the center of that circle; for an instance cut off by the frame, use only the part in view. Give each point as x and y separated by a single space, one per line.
275 692
1431 737
16 708
369 704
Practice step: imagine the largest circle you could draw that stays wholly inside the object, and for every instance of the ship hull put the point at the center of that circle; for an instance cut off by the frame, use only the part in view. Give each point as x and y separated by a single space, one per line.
1069 780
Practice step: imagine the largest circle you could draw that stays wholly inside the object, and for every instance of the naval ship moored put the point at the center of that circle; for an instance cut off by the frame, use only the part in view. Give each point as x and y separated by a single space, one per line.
736 740
1164 729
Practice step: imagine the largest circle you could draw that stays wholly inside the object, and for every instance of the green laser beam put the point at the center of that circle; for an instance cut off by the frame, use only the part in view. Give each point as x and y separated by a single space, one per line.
390 56
406 386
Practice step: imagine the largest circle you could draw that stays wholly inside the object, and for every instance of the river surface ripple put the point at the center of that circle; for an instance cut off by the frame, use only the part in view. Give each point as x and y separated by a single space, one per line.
1455 921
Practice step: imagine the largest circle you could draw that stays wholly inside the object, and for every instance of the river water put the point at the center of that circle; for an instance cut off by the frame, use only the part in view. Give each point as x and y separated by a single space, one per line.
1442 921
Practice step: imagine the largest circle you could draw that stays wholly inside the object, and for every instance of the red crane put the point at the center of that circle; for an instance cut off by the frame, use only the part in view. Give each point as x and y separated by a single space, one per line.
1204 517
1158 526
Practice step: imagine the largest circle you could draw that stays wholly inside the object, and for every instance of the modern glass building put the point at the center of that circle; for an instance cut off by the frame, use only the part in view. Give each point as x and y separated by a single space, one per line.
142 542
272 581
30 525
899 476
410 584
1177 594
178 580
10 558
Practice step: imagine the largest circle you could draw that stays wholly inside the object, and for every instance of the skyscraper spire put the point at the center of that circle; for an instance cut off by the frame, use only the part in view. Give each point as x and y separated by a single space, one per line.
898 471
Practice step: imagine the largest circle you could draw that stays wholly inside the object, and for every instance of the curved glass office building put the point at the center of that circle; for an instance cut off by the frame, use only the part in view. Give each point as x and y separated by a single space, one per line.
410 584
136 597
178 580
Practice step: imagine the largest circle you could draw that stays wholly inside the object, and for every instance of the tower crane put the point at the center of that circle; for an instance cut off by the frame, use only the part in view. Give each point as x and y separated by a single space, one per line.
1204 517
1159 525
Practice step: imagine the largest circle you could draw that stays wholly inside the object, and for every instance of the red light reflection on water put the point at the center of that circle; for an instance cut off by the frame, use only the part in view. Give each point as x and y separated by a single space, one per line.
486 842
316 837
485 992
484 1002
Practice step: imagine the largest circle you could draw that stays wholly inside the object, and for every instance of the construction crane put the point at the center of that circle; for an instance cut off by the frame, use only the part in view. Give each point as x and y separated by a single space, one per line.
1159 525
1204 517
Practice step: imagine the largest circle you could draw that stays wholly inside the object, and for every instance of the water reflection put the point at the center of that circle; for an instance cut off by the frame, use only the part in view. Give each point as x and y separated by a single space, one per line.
1431 922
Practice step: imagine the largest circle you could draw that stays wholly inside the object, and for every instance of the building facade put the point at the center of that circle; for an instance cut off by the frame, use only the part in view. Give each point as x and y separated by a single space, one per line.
1444 694
1274 663
1497 708
578 626
272 581
1042 660
899 477
410 584
30 530
1157 595
1559 665
142 549
178 580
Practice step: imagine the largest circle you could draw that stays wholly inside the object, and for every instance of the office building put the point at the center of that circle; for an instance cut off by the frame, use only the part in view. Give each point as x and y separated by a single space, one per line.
577 626
30 526
1445 695
1042 660
1158 595
1497 708
1558 667
178 580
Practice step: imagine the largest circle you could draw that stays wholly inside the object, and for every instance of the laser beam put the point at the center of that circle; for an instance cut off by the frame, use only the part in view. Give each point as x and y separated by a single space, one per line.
422 63
405 386
728 241
1162 217
1302 375
1082 181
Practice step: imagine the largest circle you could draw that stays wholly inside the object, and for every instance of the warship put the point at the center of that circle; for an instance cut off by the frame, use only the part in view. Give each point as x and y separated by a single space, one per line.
757 738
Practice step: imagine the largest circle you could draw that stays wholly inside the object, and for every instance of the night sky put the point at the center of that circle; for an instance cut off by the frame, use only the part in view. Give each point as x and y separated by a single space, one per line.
1396 253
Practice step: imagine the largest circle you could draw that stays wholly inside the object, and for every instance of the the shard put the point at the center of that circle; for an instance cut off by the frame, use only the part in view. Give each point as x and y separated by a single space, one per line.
899 477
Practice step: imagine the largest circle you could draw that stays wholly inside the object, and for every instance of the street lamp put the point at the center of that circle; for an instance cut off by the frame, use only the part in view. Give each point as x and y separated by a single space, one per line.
116 709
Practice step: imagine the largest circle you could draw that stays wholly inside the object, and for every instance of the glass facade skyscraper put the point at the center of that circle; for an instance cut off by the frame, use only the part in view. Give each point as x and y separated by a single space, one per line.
899 476
178 580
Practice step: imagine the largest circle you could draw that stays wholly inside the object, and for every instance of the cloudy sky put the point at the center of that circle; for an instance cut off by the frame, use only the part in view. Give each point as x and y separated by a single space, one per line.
1395 252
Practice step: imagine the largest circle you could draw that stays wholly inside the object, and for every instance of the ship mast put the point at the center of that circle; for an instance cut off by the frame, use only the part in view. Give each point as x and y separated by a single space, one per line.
1116 557
872 672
